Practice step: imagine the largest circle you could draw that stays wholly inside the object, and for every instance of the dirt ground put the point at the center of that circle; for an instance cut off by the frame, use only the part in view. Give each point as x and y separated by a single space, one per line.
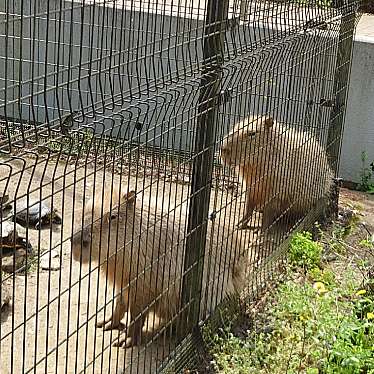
361 201
50 324
362 204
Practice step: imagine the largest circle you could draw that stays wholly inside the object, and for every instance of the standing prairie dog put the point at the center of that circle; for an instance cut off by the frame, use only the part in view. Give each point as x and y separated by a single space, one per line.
141 255
285 170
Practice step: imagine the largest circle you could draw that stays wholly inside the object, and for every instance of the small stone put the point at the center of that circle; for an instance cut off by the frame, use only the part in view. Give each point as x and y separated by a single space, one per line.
9 232
50 260
14 261
5 295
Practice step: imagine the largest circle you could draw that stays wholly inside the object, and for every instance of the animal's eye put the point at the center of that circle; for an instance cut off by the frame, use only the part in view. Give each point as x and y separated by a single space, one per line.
249 134
113 216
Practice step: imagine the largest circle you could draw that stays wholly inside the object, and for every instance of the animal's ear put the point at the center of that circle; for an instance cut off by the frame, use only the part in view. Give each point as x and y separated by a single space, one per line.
268 122
248 134
130 197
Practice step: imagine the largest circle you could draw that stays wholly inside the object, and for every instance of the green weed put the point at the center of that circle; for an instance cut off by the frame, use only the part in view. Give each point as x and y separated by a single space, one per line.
367 243
312 332
366 174
305 252
325 276
318 323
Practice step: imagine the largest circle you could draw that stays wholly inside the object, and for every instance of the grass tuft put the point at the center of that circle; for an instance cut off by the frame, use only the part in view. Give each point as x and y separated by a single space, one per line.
320 320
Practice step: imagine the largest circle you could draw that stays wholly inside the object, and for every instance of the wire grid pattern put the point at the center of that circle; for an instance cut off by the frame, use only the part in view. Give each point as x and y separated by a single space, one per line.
102 98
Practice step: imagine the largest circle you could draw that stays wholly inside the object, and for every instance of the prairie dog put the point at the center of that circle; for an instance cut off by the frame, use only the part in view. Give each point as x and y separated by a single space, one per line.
141 255
284 170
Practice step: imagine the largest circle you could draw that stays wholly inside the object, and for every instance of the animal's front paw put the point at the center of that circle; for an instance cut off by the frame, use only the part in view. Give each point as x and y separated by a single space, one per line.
101 323
243 225
127 341
124 342
110 325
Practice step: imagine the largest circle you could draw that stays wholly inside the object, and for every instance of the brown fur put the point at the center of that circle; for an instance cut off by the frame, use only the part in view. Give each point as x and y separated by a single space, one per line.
284 170
143 260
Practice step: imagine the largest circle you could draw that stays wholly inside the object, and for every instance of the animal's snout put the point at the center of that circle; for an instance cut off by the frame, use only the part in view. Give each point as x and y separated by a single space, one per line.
82 237
80 243
226 155
225 151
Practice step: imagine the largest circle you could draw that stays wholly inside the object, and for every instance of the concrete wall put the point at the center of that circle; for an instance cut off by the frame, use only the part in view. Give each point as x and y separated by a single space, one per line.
82 59
359 121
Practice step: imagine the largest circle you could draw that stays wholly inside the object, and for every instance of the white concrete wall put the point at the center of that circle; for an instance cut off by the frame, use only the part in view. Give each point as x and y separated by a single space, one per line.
298 104
359 121
56 64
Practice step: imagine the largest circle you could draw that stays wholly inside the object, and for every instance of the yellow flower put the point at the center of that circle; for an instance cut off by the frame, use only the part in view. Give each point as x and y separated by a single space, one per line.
303 317
370 315
361 292
320 287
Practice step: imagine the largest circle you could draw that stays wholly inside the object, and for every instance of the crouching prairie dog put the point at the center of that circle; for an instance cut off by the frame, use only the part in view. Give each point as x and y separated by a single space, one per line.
285 171
140 254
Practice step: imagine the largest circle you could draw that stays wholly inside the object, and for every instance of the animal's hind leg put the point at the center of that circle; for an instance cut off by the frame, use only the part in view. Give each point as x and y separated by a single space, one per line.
133 335
248 211
278 220
271 215
279 217
120 308
272 224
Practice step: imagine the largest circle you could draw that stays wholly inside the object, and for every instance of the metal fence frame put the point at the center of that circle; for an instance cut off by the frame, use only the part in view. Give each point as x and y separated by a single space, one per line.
212 92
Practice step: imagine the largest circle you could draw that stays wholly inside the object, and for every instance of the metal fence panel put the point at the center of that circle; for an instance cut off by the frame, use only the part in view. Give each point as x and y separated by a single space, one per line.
155 158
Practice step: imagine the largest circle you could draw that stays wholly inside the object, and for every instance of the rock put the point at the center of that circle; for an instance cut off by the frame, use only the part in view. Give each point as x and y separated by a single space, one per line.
34 213
5 294
13 249
4 205
50 260
14 261
4 198
9 233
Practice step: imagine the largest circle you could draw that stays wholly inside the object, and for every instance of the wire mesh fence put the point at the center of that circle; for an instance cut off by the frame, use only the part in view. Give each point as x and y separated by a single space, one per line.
155 156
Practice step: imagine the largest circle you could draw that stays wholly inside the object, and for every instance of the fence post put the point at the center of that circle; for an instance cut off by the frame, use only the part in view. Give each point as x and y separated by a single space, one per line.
341 81
210 87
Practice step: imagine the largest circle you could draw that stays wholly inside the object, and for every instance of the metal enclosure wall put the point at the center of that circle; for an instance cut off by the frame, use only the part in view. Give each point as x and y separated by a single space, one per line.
141 144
